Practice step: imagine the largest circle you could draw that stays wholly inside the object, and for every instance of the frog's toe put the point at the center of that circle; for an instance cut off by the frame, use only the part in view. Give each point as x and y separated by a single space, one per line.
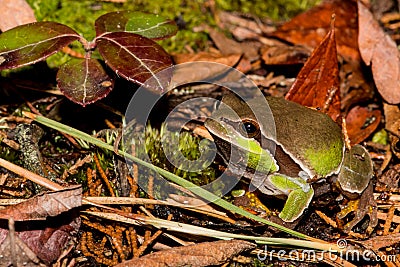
365 205
297 202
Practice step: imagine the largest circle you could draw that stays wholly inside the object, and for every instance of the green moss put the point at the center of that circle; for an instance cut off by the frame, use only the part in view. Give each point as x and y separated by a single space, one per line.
381 137
188 146
79 15
152 148
9 154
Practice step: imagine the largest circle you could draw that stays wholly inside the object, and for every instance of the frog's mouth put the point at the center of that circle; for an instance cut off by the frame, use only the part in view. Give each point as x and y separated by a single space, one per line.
236 151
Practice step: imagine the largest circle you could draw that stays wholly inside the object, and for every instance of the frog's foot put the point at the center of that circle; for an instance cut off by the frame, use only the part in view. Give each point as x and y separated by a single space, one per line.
365 205
250 202
297 202
299 192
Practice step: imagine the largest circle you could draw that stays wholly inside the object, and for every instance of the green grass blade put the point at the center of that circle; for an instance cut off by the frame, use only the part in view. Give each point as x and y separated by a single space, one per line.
172 177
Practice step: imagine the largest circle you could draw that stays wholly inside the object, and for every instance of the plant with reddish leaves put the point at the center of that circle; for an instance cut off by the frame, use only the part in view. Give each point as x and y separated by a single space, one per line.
125 40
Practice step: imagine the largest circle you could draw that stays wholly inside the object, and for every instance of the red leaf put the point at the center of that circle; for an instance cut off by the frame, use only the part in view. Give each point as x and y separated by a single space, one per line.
361 123
46 240
135 58
317 84
84 81
30 43
58 224
310 27
379 50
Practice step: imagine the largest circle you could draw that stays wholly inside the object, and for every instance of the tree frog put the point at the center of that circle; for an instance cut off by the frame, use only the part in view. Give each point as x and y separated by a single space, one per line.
303 146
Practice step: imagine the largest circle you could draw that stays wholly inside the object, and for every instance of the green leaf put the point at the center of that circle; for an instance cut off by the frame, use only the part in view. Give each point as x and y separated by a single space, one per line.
84 81
148 25
30 43
135 58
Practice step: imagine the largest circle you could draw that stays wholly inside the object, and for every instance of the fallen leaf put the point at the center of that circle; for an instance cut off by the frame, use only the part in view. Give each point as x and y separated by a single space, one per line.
392 125
229 60
392 118
379 242
224 44
202 254
204 70
380 51
317 84
361 122
15 13
13 251
355 85
310 27
42 206
249 49
45 239
234 21
285 55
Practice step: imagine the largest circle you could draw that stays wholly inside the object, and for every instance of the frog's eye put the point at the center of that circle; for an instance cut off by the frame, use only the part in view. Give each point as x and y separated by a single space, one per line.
250 128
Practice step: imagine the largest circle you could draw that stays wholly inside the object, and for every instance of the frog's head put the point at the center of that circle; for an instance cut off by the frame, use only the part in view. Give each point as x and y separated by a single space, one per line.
238 136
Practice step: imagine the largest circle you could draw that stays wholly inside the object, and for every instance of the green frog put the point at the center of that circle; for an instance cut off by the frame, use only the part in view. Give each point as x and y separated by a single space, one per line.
286 149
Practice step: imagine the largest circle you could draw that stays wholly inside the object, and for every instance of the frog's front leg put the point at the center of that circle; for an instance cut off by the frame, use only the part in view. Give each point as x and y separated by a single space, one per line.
299 193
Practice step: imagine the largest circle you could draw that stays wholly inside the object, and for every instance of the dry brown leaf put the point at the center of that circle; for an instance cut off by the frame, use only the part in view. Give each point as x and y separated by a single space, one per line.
202 254
354 85
46 239
361 122
317 84
225 45
229 60
392 124
233 20
310 27
380 51
285 55
42 206
13 251
379 242
15 13
204 70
